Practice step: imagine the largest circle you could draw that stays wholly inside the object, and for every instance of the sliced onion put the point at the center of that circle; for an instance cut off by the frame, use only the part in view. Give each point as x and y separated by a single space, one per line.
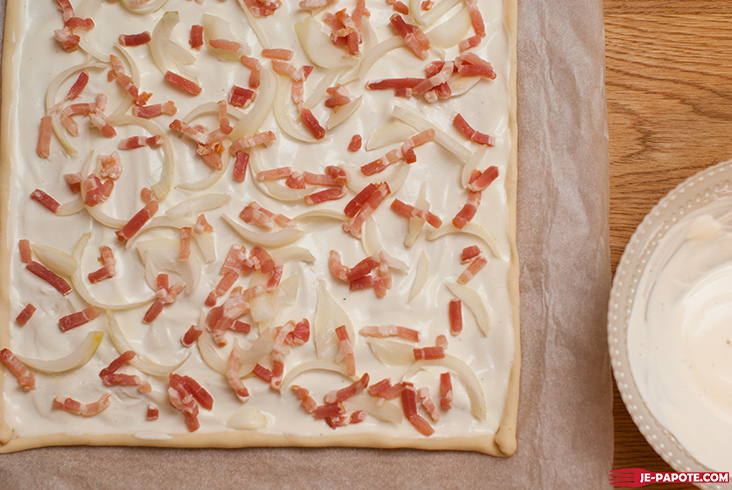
415 225
319 48
471 229
474 302
160 41
212 108
161 255
467 377
321 214
420 277
259 349
472 164
180 54
460 85
395 176
52 94
249 124
343 113
415 10
378 408
308 366
371 242
262 307
388 134
391 352
87 8
441 137
247 418
256 26
217 28
210 352
57 260
70 208
80 356
320 91
162 186
158 222
207 246
275 190
284 120
77 280
441 8
272 239
197 205
451 31
213 177
145 8
140 361
216 359
373 56
329 315
286 293
288 254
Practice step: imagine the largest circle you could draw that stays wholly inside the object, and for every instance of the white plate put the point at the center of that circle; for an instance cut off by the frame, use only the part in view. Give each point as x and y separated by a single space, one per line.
695 193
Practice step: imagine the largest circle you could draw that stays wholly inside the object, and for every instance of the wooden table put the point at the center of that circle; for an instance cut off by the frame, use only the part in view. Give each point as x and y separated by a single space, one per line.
669 97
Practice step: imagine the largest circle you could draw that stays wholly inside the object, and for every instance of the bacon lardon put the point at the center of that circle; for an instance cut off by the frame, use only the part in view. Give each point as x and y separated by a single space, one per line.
182 83
135 39
185 243
383 331
354 225
126 82
339 396
50 277
26 254
467 213
152 413
241 97
195 39
232 374
312 124
381 164
42 198
155 110
409 211
241 162
262 373
475 266
202 225
84 409
191 335
43 147
409 405
325 195
307 401
346 350
278 54
274 174
256 70
471 134
26 380
446 391
25 315
137 221
78 318
455 311
418 139
296 181
234 259
336 267
279 350
484 180
414 38
111 166
424 398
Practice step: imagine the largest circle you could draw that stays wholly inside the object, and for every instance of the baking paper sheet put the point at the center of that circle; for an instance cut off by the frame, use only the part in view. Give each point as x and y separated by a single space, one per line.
565 421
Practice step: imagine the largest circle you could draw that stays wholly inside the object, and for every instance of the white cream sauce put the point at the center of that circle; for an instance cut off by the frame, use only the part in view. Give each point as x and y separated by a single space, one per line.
39 59
680 334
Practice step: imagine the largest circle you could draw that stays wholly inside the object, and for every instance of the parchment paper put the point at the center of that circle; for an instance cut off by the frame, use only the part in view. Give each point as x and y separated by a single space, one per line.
565 421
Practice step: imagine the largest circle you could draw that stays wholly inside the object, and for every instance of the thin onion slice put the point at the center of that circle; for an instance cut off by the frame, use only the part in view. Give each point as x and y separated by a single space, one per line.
162 187
158 222
57 260
256 26
388 134
273 239
210 352
466 375
160 40
140 361
286 293
308 366
372 57
213 177
70 208
207 245
289 254
329 315
247 418
378 408
77 280
343 113
284 120
441 137
80 356
415 10
451 31
144 8
391 352
441 8
471 229
372 245
262 307
250 123
474 302
275 190
321 214
197 205
415 225
161 255
320 91
460 85
420 277
318 46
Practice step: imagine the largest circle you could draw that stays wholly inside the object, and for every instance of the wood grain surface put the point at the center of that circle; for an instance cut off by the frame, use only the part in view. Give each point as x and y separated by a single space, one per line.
669 96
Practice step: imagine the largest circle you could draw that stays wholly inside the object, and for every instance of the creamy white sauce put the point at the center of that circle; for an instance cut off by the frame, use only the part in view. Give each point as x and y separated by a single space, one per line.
680 334
487 107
